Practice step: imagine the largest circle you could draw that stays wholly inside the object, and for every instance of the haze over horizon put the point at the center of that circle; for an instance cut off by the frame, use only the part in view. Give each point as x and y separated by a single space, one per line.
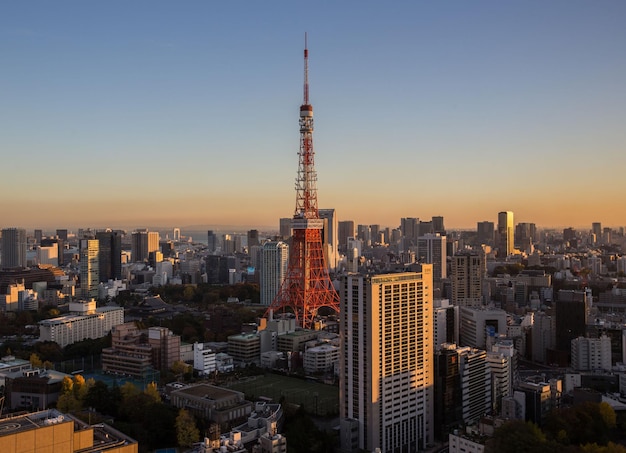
163 115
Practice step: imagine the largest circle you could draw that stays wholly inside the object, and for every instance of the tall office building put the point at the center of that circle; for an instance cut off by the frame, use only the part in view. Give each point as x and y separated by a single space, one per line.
285 227
274 262
525 235
143 243
330 240
543 333
431 249
212 241
424 228
466 279
571 318
386 361
485 232
253 238
89 268
38 236
13 248
463 389
591 354
410 229
62 234
596 230
110 245
363 234
438 226
345 230
506 234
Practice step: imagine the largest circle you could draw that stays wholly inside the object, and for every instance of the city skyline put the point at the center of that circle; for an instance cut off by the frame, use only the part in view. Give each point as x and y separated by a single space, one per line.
153 114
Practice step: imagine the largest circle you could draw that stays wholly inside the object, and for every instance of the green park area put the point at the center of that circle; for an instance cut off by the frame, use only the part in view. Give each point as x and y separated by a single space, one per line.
315 397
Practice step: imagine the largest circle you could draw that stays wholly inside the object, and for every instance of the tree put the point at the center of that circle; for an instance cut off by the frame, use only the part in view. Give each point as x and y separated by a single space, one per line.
80 387
186 430
35 361
517 436
584 423
128 390
67 385
179 368
67 402
152 392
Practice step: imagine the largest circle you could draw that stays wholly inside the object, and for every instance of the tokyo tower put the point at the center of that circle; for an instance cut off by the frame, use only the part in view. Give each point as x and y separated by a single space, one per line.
307 286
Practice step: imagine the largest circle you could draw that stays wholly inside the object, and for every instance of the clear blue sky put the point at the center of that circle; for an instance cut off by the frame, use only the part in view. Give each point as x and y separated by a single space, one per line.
133 113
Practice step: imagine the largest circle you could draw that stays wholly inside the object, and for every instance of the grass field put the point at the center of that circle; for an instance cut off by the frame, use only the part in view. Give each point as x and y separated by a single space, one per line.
319 399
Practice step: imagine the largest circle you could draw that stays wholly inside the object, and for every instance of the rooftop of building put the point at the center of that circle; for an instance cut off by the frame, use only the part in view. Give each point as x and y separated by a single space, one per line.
323 347
31 421
108 437
9 362
206 391
73 317
52 376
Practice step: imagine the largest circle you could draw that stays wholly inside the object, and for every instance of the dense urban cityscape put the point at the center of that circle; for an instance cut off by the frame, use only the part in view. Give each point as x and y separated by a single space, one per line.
447 334
321 333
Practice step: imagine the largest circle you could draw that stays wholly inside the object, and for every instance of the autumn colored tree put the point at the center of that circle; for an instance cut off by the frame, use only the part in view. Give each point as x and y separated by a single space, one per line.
152 392
186 430
35 361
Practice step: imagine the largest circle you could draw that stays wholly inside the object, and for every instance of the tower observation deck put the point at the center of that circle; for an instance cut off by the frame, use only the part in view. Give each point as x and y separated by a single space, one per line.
307 286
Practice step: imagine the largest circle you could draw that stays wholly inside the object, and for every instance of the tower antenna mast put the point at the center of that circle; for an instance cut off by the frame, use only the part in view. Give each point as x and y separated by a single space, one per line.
307 286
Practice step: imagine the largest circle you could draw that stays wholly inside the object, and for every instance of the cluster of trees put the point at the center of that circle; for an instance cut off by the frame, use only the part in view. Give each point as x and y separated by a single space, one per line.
303 435
206 294
140 414
587 428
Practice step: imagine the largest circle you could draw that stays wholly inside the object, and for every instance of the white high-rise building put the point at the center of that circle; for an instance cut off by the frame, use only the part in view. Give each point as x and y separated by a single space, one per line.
500 367
204 359
274 263
386 362
591 354
445 323
330 237
475 383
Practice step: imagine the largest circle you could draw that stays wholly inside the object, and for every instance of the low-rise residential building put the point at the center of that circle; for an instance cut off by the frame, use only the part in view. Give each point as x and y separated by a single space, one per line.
85 321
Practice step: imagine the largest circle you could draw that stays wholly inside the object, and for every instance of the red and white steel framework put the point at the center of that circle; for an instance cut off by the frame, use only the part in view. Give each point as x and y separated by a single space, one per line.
307 286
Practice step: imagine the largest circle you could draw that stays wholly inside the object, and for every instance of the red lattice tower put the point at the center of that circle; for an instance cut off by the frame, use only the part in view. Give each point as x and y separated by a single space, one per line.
307 286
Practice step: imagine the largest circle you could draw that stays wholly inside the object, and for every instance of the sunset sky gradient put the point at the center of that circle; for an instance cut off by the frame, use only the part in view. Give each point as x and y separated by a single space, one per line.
151 113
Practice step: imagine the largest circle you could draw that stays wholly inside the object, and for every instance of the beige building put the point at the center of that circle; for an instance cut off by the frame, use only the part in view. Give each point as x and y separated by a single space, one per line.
466 279
138 353
245 348
386 362
51 431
